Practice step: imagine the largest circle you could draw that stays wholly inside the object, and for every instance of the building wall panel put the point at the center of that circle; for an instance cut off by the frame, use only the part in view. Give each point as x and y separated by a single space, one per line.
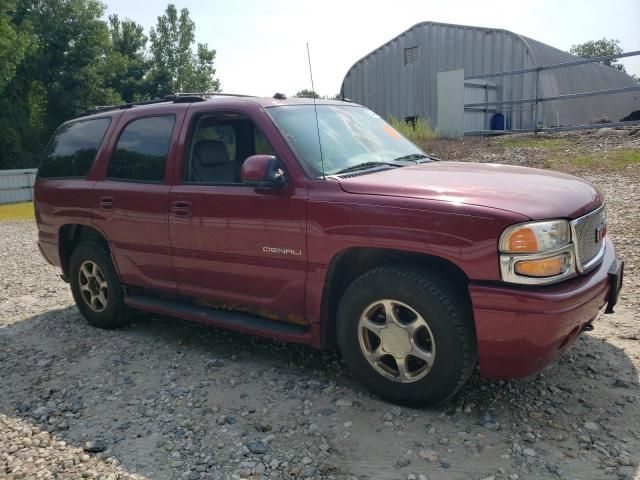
17 185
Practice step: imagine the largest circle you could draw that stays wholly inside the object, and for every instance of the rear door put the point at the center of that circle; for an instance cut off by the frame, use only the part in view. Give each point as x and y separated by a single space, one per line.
234 245
131 201
63 194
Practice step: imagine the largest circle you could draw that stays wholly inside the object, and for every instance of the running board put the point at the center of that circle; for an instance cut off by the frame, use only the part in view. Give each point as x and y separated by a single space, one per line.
240 321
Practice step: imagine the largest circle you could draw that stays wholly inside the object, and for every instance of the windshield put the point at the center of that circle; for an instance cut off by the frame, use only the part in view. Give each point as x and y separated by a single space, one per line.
350 136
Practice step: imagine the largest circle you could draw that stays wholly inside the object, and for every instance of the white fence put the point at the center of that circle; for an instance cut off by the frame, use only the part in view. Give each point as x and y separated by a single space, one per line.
17 185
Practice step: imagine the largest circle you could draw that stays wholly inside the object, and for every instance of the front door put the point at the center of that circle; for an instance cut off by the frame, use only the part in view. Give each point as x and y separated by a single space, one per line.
235 246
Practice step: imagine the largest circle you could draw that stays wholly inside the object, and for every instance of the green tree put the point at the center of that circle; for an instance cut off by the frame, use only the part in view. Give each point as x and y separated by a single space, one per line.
126 66
60 74
600 48
16 39
175 66
14 42
59 58
73 48
306 93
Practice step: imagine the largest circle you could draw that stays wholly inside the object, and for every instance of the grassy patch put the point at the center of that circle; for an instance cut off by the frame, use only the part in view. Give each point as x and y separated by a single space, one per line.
615 159
418 133
533 142
16 211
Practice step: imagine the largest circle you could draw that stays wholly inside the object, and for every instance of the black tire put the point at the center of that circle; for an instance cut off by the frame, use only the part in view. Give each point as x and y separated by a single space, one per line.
115 312
450 323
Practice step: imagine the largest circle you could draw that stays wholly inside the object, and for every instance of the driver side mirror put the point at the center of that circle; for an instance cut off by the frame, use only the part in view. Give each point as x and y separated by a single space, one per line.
263 171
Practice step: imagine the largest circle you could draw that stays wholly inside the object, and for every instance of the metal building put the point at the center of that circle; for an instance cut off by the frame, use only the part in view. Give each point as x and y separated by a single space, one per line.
400 78
17 185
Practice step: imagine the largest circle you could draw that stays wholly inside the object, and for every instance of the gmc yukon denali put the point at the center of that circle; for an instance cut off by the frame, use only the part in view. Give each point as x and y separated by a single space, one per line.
321 224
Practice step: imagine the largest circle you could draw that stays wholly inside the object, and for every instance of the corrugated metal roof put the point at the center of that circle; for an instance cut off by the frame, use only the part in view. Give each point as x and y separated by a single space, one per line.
383 81
581 78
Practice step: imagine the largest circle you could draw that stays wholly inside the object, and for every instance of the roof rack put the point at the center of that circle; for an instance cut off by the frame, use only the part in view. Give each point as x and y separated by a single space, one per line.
122 106
211 94
180 97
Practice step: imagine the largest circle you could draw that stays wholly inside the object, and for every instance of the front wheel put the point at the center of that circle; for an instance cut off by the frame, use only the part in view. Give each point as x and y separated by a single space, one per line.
407 335
96 287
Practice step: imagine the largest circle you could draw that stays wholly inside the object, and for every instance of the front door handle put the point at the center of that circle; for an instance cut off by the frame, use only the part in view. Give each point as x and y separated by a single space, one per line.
106 203
181 209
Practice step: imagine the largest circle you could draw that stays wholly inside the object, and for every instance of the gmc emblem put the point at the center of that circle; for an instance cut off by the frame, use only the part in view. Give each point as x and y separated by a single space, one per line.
601 232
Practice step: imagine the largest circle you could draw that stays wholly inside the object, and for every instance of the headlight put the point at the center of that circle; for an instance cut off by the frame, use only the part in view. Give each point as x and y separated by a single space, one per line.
537 252
535 237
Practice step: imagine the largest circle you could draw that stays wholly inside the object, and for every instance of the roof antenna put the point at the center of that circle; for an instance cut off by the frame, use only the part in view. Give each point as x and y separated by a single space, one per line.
315 108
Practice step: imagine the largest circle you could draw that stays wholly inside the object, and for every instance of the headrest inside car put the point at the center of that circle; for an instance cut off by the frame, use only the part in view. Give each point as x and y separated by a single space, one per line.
211 152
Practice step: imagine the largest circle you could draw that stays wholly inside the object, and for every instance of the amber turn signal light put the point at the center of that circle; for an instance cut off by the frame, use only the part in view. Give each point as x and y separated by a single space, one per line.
523 241
546 267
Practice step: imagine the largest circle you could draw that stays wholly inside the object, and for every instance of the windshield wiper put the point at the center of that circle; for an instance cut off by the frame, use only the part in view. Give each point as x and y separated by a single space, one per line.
412 157
365 166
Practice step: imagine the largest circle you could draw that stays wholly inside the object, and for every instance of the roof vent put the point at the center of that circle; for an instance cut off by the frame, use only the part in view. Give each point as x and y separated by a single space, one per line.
280 96
410 55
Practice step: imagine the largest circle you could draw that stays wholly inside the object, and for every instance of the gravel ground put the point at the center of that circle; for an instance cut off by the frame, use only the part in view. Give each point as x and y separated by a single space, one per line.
167 399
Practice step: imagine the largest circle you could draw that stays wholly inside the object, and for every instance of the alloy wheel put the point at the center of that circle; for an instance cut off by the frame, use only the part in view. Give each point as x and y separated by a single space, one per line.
93 286
396 341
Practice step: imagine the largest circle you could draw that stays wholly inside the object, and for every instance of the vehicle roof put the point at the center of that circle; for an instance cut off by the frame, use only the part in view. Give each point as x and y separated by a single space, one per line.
229 101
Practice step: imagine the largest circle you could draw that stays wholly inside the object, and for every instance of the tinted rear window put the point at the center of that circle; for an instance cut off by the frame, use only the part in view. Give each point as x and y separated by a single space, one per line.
73 149
141 152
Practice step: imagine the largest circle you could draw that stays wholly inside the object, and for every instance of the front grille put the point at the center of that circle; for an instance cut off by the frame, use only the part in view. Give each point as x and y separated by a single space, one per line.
588 240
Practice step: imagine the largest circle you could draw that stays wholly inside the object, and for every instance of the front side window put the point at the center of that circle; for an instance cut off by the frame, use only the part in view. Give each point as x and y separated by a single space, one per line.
219 145
350 136
73 149
142 149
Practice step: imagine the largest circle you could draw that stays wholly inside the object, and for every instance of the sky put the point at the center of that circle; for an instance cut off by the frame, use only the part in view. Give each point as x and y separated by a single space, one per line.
261 45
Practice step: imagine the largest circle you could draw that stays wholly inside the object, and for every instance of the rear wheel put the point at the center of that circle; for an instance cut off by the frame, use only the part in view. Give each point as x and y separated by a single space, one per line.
407 335
96 287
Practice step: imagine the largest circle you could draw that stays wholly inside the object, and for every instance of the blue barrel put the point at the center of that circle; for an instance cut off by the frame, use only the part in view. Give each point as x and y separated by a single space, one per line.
497 121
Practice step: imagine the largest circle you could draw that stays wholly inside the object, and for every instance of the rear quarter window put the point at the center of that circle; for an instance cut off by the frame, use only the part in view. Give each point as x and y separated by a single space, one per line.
73 148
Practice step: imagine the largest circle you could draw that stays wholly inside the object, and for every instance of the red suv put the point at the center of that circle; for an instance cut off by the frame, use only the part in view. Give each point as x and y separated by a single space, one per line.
321 224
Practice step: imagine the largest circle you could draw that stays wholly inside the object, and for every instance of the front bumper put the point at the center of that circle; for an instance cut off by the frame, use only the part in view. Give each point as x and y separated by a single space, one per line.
522 329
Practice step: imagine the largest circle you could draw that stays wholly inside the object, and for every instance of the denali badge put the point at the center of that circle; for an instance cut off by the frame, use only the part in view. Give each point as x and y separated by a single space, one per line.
282 251
601 232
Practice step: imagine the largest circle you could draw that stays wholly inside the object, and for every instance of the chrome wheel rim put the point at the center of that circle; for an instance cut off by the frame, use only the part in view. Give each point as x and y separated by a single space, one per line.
93 286
396 341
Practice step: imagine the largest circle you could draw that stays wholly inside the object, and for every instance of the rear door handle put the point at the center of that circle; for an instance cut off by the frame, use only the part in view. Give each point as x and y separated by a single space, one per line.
106 203
181 209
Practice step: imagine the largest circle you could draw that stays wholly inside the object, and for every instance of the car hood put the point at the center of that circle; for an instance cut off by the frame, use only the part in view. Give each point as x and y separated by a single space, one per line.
535 193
